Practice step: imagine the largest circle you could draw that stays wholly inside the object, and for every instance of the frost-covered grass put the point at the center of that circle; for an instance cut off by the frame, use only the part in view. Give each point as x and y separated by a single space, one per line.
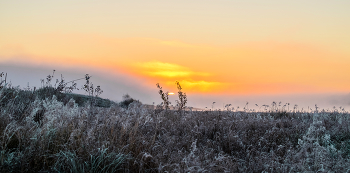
48 135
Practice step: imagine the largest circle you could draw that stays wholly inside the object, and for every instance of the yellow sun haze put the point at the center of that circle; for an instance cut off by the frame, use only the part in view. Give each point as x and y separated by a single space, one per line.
156 65
255 67
169 73
162 69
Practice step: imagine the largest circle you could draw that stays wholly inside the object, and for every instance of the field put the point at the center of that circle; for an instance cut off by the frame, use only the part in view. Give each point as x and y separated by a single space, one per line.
48 130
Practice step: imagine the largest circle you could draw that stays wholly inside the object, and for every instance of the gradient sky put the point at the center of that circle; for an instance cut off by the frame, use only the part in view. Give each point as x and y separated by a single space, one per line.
213 48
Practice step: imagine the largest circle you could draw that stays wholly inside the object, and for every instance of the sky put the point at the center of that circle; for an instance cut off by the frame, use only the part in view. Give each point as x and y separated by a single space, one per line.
227 51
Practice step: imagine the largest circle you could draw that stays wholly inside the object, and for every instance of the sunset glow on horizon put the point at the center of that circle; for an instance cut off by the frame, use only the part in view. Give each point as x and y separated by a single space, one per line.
210 47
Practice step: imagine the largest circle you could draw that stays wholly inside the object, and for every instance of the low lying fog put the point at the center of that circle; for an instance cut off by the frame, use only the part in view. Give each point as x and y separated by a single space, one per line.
116 85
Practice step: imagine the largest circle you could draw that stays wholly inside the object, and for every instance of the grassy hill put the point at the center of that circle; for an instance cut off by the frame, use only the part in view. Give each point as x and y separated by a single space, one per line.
46 131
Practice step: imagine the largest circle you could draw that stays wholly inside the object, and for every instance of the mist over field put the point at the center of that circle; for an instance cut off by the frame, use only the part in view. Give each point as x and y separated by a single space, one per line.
117 85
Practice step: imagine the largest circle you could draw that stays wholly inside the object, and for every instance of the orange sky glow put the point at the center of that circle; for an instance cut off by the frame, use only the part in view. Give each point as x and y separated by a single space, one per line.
210 47
250 68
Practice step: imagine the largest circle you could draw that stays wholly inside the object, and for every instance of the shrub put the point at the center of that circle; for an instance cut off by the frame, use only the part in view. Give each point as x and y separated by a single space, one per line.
164 96
127 100
181 103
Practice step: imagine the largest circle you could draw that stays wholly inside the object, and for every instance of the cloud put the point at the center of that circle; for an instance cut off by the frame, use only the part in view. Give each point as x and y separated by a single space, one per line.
170 73
156 65
202 85
161 69
167 73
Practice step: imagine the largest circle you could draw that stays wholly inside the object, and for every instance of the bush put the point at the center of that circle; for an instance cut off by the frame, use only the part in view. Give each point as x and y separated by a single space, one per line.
127 100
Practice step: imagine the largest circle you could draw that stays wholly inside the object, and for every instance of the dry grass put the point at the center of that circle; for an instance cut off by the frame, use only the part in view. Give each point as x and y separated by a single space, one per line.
73 138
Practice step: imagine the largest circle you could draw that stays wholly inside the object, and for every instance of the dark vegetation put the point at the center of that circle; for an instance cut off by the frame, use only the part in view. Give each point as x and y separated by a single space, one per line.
127 100
52 130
